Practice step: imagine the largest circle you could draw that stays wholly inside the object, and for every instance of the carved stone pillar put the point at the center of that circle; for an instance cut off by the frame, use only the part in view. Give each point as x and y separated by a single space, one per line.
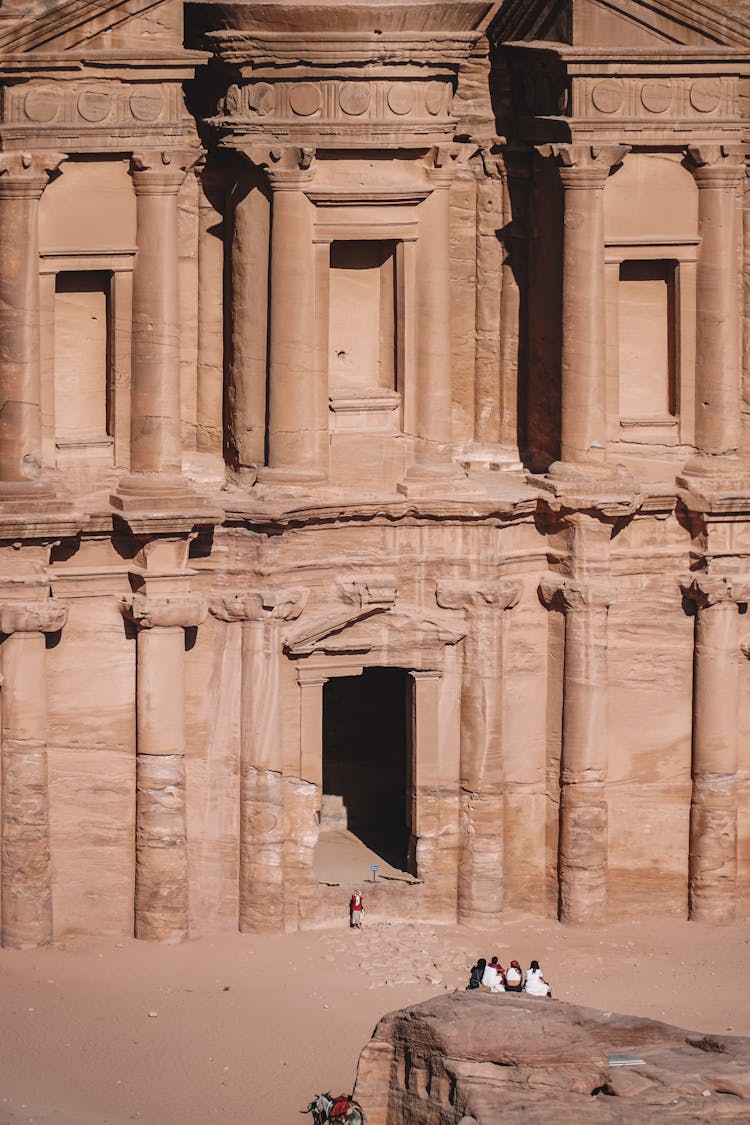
23 178
712 873
209 438
298 391
155 426
583 173
261 889
480 871
746 311
161 862
718 174
582 857
433 399
25 887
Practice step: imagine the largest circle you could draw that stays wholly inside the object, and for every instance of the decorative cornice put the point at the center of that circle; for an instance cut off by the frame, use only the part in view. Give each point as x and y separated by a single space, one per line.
184 611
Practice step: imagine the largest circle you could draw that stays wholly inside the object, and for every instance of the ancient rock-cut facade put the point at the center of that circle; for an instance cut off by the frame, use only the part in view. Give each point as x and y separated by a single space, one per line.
374 449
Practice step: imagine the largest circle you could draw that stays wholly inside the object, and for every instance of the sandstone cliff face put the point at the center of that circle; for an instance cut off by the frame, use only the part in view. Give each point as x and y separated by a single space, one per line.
476 1059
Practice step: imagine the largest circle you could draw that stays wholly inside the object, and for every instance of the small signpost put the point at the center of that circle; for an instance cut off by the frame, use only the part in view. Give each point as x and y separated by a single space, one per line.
374 870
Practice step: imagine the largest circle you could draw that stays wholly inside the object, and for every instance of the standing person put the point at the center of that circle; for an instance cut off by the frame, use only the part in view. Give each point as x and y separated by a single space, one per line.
356 910
535 984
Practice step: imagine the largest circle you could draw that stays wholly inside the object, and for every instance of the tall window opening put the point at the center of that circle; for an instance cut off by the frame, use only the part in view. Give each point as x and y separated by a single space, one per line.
362 340
647 340
82 357
366 775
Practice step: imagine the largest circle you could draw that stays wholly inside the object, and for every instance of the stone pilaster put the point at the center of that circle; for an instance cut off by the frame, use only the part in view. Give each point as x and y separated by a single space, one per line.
25 887
23 178
480 871
712 873
209 437
582 856
161 860
298 390
156 479
718 173
433 400
262 828
583 173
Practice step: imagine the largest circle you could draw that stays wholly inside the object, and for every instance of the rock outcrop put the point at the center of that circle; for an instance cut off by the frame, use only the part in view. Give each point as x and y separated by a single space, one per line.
476 1059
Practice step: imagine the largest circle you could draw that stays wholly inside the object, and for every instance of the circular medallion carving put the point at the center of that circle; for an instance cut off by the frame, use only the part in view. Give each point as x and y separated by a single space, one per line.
146 105
434 97
41 104
656 97
705 94
401 99
94 105
263 821
262 98
305 99
354 98
607 96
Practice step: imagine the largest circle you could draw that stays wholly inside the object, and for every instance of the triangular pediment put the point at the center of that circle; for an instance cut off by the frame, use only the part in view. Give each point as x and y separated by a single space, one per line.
625 23
374 627
60 25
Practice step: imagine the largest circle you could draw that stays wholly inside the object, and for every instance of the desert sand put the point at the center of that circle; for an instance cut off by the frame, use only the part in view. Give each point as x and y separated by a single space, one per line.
243 1029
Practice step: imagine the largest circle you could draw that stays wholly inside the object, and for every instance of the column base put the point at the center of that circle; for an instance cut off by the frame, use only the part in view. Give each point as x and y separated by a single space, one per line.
291 476
149 502
490 458
711 483
582 484
30 508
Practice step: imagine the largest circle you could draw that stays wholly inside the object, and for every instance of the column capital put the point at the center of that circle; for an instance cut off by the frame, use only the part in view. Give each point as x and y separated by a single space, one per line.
716 166
584 167
707 590
445 161
32 617
558 592
259 605
459 593
148 612
162 171
26 174
288 167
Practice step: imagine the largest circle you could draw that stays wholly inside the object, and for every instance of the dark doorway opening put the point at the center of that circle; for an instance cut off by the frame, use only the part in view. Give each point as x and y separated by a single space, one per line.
366 758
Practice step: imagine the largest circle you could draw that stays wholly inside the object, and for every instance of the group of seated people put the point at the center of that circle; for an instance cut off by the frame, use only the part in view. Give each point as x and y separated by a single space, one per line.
492 976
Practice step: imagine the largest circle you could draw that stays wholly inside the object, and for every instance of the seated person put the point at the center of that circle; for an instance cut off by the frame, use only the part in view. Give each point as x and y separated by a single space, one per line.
477 971
494 976
535 984
513 977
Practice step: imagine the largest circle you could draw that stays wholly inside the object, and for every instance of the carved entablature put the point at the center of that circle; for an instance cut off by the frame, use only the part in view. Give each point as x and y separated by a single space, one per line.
638 94
340 109
96 115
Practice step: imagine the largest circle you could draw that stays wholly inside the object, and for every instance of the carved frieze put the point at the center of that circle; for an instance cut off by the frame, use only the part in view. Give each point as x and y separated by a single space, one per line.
326 106
649 98
101 112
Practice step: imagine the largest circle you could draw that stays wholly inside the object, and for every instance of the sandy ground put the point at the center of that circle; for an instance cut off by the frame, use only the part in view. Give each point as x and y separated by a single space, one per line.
244 1029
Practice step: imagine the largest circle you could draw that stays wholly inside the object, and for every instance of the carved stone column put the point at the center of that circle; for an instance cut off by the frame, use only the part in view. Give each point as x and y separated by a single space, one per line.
582 857
23 178
261 889
298 391
161 861
712 874
155 427
209 436
480 871
718 174
433 399
583 173
25 887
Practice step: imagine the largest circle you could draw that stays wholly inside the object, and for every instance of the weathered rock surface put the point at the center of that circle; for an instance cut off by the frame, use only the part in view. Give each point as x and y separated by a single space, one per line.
475 1059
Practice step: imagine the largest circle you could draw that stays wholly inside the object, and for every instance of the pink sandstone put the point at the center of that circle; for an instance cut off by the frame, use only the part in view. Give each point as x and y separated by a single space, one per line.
374 440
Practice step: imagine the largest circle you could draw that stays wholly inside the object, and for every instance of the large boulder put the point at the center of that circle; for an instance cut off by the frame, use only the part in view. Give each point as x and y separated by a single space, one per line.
477 1058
